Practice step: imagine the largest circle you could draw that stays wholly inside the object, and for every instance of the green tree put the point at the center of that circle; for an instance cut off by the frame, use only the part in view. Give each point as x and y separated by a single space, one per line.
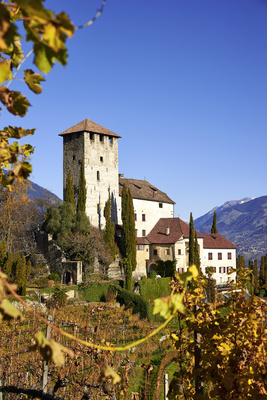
109 233
8 264
196 253
69 194
128 275
82 223
128 226
166 268
20 274
82 190
262 281
255 277
191 240
3 253
60 221
214 224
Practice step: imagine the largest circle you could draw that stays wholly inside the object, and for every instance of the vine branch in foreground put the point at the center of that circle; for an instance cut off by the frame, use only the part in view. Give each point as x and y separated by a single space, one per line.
94 18
29 392
85 343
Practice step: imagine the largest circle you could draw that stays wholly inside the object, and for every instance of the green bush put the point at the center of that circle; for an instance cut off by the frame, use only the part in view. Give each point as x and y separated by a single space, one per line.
59 297
138 304
151 289
152 274
93 292
54 277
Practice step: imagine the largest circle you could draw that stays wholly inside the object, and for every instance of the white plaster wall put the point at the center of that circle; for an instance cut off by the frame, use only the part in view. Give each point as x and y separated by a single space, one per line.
152 213
224 262
182 261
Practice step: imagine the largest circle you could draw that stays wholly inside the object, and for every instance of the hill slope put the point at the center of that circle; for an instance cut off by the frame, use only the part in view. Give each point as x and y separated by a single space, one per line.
243 222
38 191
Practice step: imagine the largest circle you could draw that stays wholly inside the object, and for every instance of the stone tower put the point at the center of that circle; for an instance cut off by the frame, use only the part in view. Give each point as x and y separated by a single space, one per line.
99 148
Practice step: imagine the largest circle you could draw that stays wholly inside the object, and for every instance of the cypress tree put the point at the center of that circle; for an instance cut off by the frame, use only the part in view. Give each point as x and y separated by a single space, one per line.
262 272
109 232
214 224
128 225
3 253
20 275
196 253
82 190
69 195
191 240
7 267
256 276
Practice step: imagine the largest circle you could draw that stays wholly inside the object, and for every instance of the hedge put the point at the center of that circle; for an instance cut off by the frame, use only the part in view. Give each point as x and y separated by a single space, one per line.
136 302
94 292
151 289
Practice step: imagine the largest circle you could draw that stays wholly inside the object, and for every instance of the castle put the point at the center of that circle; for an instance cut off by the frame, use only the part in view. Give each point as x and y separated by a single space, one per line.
159 234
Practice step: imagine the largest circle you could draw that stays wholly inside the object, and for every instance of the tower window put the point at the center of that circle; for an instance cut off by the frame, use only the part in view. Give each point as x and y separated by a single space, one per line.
92 136
98 175
101 159
101 138
110 139
73 158
160 205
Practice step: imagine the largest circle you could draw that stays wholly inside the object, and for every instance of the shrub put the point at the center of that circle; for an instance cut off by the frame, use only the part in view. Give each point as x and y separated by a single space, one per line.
134 301
54 277
59 297
152 274
151 289
93 292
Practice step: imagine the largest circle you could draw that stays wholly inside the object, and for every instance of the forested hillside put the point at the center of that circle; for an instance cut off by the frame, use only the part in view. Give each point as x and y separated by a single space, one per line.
243 222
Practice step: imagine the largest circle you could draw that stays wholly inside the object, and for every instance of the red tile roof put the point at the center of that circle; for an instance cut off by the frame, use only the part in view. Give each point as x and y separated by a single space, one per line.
143 190
89 126
216 241
177 229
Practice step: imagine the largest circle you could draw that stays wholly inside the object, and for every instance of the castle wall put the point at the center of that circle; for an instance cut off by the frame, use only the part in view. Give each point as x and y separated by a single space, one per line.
101 172
100 153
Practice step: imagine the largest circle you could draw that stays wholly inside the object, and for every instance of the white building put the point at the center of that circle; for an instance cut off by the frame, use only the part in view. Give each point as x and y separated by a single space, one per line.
169 240
159 234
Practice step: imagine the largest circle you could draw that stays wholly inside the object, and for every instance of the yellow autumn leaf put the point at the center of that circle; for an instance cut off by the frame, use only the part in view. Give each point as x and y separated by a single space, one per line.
51 350
108 372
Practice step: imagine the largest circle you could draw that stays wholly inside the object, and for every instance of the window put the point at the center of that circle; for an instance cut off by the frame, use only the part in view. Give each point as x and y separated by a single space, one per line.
155 252
160 205
229 256
167 252
209 256
92 136
135 216
180 270
110 139
219 256
179 252
101 138
101 159
73 158
143 217
222 270
143 232
229 270
140 247
98 176
136 232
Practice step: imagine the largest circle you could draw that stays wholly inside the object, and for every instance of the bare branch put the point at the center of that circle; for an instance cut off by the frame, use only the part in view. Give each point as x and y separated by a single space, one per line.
94 18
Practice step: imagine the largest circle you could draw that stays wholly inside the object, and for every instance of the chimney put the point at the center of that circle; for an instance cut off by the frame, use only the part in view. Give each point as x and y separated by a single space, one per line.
121 175
168 231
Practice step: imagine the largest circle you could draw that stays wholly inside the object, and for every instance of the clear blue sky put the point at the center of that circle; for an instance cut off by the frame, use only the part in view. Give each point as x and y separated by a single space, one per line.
184 82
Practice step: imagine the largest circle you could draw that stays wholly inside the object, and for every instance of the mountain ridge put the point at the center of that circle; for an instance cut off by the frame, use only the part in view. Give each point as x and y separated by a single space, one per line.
243 222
